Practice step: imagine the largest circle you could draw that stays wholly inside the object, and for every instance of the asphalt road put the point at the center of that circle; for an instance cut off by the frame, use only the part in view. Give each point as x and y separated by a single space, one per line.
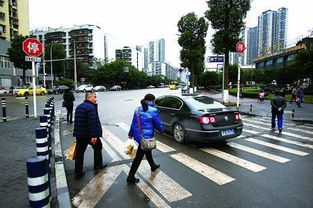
259 169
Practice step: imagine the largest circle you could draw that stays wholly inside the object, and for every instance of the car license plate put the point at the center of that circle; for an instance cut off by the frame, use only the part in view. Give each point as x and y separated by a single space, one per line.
227 132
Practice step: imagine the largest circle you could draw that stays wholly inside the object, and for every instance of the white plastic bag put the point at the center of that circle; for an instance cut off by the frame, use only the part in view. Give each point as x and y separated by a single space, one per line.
131 147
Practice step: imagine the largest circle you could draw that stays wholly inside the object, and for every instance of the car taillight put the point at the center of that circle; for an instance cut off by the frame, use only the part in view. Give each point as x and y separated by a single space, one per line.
207 120
237 116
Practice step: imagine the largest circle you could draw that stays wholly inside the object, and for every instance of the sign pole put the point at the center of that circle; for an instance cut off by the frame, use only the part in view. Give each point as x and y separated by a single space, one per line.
223 77
238 86
34 89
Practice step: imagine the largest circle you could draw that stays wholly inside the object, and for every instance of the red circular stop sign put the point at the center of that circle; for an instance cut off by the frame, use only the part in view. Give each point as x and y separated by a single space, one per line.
32 47
240 47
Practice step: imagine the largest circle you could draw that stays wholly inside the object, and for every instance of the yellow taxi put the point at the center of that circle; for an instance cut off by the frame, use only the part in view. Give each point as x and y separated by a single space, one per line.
29 91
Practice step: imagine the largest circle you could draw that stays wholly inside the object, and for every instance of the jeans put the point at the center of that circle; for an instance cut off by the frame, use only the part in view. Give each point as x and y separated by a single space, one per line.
279 116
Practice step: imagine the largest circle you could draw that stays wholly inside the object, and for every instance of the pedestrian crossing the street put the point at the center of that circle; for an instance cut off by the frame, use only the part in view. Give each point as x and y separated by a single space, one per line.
257 139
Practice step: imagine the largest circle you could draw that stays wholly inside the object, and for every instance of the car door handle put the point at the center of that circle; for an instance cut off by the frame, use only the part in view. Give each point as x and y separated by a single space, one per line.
172 114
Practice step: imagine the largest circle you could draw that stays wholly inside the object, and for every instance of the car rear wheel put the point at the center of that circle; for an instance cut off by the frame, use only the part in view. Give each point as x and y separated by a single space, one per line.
179 133
26 94
42 93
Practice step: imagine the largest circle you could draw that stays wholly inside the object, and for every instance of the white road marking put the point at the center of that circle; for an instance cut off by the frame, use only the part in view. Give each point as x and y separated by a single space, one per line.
250 131
275 146
160 146
297 136
171 190
288 141
257 127
307 127
259 153
254 121
235 160
145 170
203 169
301 130
97 187
108 149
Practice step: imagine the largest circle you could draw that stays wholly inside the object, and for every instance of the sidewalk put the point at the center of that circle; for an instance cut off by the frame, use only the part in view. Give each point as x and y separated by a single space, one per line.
17 143
303 114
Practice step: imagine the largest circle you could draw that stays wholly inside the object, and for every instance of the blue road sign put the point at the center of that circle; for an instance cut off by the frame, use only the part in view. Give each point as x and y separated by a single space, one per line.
212 59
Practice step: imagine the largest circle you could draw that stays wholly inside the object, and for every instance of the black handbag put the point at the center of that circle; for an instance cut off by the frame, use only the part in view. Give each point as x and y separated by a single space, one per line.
146 144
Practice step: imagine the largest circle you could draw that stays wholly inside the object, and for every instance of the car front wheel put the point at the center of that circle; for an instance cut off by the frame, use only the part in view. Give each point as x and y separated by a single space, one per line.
26 94
42 93
179 133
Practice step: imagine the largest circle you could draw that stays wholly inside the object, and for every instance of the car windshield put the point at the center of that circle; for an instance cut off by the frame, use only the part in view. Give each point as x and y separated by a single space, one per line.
204 103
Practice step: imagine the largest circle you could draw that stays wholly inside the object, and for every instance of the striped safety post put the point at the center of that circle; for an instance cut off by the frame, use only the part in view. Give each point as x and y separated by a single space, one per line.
4 110
50 112
38 182
26 107
46 112
293 113
251 108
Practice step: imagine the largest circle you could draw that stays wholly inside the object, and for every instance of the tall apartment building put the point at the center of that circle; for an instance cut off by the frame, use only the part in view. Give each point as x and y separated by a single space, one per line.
133 55
272 27
88 40
14 18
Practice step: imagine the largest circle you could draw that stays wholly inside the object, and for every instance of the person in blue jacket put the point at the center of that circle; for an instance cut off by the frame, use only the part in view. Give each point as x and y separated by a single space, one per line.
149 120
87 130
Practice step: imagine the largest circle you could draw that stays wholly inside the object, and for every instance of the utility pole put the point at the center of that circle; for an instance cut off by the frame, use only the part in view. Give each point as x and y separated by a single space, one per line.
44 66
75 70
51 64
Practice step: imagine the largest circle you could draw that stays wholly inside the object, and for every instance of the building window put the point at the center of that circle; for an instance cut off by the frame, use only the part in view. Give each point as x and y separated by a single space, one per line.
280 60
2 15
291 57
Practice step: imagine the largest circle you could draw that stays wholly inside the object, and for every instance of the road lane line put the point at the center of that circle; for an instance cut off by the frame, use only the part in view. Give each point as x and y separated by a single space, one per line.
297 136
258 122
160 146
250 131
307 127
145 170
279 147
108 149
257 127
288 141
233 159
171 190
203 169
259 153
90 195
301 130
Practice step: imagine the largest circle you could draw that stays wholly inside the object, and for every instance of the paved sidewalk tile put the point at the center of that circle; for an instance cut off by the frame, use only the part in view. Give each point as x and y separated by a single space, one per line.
17 143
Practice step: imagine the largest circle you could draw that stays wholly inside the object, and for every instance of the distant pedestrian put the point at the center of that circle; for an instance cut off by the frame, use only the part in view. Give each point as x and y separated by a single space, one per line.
87 130
69 99
261 96
293 95
299 96
148 116
278 105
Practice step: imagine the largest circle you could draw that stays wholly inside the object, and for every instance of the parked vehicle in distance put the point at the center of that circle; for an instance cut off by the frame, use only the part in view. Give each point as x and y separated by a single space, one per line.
192 117
173 85
29 91
53 90
85 88
16 89
116 88
99 88
3 91
62 88
150 87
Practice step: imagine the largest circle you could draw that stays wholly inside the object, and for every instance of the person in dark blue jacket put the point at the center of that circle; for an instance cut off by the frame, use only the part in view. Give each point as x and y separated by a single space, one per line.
87 130
149 120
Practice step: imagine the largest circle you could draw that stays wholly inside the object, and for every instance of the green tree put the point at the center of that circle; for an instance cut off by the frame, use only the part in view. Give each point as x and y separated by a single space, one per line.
226 17
17 55
304 63
208 79
193 31
58 52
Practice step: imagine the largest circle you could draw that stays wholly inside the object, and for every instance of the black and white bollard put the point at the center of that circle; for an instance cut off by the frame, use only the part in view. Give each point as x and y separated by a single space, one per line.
42 145
38 182
4 110
46 113
251 108
26 107
293 113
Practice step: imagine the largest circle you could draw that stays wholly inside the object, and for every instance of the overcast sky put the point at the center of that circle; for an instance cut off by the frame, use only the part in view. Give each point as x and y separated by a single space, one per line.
135 22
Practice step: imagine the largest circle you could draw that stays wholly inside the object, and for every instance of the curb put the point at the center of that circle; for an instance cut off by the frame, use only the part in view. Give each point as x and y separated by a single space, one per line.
63 195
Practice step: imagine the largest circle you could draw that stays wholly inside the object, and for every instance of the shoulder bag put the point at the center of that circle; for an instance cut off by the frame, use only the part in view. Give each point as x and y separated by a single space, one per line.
146 144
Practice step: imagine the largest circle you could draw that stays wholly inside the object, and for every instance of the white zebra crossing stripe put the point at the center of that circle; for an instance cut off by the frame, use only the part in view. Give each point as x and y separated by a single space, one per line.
203 169
259 153
288 141
307 127
97 187
160 146
110 151
145 170
279 147
257 127
171 190
297 136
235 160
250 131
301 130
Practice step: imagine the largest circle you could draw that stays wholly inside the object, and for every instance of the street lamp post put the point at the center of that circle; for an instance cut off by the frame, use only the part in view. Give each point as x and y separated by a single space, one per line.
51 64
75 70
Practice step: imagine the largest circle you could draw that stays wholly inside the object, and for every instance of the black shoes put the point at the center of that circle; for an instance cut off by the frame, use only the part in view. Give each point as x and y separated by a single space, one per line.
280 130
79 175
132 179
155 167
100 167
